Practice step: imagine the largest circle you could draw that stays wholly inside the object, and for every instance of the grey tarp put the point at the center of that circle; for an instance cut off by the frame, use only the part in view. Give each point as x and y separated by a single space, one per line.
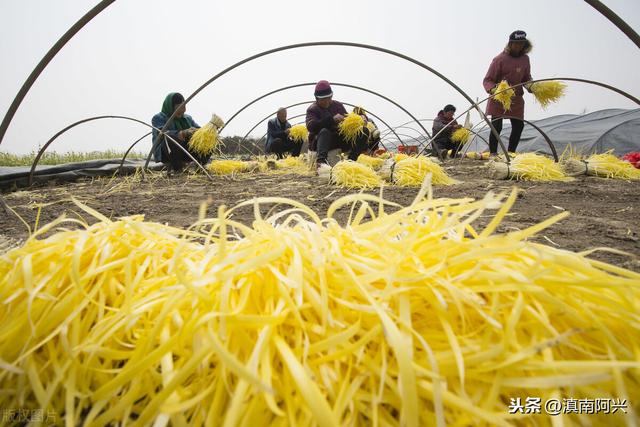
599 131
18 176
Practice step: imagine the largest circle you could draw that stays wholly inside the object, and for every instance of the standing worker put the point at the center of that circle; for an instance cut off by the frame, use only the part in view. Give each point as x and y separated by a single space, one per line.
513 66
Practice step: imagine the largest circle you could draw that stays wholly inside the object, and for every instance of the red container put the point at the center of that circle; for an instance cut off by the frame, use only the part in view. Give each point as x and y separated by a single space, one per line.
408 149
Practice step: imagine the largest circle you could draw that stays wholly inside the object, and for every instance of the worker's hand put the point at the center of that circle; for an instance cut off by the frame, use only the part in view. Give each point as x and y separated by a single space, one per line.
338 118
286 131
492 91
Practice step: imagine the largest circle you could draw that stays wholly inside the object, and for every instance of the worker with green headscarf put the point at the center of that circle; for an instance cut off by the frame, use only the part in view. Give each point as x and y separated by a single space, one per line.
180 130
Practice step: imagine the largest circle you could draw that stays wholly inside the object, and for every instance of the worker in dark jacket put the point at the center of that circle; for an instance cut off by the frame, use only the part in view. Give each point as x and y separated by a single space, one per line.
179 131
443 127
278 141
323 117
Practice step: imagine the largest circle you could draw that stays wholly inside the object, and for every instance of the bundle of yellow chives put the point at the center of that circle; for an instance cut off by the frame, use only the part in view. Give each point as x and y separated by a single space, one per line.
400 156
299 133
351 127
354 175
461 135
412 171
228 167
529 167
292 164
477 155
414 317
205 141
504 94
604 165
374 163
548 92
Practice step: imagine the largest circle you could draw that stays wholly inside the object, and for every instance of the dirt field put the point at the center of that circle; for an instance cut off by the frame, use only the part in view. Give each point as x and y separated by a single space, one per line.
604 213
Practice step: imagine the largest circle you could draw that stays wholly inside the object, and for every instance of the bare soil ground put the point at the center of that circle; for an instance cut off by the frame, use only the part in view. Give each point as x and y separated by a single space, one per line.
604 212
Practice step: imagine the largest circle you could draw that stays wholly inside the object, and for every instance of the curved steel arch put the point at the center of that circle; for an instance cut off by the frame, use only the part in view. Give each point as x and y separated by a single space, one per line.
301 123
420 135
31 79
309 102
410 137
544 135
329 43
71 126
332 84
404 125
570 79
616 20
126 153
260 139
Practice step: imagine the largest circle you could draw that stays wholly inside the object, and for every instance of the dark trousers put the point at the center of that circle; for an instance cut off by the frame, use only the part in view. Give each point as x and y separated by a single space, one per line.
516 131
281 146
176 157
330 140
446 144
373 145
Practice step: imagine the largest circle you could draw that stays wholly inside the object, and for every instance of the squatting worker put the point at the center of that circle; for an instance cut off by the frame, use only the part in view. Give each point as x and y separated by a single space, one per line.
443 127
323 117
278 140
180 130
513 66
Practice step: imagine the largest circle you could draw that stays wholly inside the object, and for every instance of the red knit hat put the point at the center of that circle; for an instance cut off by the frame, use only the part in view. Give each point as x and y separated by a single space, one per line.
323 89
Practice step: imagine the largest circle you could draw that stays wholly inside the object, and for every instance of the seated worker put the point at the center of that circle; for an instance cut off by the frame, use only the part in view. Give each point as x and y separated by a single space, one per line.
443 140
180 129
323 117
278 140
374 133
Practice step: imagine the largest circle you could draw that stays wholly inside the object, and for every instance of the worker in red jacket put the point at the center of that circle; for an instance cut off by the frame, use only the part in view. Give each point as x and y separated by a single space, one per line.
513 66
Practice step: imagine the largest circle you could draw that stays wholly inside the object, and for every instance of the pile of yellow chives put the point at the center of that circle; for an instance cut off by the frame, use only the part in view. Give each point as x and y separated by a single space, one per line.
374 163
416 317
227 167
504 94
351 127
529 167
412 171
548 92
604 165
299 133
293 164
354 175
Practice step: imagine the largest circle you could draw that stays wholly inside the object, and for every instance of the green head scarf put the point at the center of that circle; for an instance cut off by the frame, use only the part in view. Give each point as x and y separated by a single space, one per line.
168 107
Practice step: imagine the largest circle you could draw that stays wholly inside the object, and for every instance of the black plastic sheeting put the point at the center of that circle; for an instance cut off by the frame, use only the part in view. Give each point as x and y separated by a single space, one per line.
18 176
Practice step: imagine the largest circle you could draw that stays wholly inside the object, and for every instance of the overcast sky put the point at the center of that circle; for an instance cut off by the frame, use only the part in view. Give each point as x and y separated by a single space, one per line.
130 56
